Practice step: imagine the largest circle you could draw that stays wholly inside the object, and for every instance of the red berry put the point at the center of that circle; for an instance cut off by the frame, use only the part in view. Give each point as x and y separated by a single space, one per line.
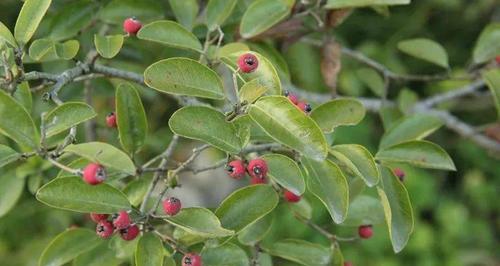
104 229
497 58
171 206
121 220
399 173
94 174
291 197
132 26
236 169
129 233
257 180
304 107
292 97
365 231
248 62
191 259
257 168
96 217
111 120
348 263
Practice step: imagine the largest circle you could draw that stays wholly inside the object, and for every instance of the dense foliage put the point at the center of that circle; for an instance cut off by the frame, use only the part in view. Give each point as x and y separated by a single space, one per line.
249 132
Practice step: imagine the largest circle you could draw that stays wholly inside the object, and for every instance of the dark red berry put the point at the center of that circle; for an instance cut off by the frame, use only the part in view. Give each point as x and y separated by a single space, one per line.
292 97
348 263
96 217
257 168
399 173
104 229
111 120
129 233
291 197
304 107
365 231
258 180
171 206
132 26
191 259
248 62
497 59
94 174
236 169
122 220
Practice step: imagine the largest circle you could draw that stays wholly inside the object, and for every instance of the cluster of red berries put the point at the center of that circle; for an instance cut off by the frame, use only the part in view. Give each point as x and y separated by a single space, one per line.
248 62
94 174
305 107
256 168
120 222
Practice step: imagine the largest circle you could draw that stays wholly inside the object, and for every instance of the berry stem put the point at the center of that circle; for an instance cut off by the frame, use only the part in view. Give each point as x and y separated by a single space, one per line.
76 172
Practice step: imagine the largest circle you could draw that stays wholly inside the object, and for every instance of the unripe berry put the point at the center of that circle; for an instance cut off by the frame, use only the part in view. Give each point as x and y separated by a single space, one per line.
257 168
171 206
304 107
292 97
348 263
121 220
258 180
191 259
111 120
104 229
96 217
236 169
291 197
248 62
94 174
129 233
365 231
399 173
132 26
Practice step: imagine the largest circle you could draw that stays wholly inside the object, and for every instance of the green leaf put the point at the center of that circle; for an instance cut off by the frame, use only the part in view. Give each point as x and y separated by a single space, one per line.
300 251
101 255
255 232
218 11
67 115
339 112
288 125
262 15
225 255
6 35
251 91
372 79
425 49
418 153
131 118
185 11
285 172
67 50
414 127
175 75
359 160
231 48
136 190
329 185
208 125
67 246
43 50
105 154
492 78
397 209
118 10
30 16
16 123
488 44
171 34
10 190
149 251
245 206
363 3
71 19
23 95
337 257
8 155
199 221
364 210
71 193
108 46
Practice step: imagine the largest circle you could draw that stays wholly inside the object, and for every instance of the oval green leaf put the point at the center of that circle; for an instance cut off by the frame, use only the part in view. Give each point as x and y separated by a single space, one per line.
300 251
67 115
44 50
71 193
6 36
285 172
288 125
101 255
149 251
492 79
218 11
131 118
30 16
302 208
8 155
245 206
208 125
105 154
339 112
364 210
418 153
414 127
169 33
359 160
10 191
71 19
334 4
108 46
425 49
175 75
136 190
255 232
262 15
251 91
488 44
185 11
228 254
67 246
16 123
199 221
23 96
329 185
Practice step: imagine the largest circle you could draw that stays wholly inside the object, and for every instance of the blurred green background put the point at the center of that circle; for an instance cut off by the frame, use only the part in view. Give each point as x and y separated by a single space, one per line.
457 213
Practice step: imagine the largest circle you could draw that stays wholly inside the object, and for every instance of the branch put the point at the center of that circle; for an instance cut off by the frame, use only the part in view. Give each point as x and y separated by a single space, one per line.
453 94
